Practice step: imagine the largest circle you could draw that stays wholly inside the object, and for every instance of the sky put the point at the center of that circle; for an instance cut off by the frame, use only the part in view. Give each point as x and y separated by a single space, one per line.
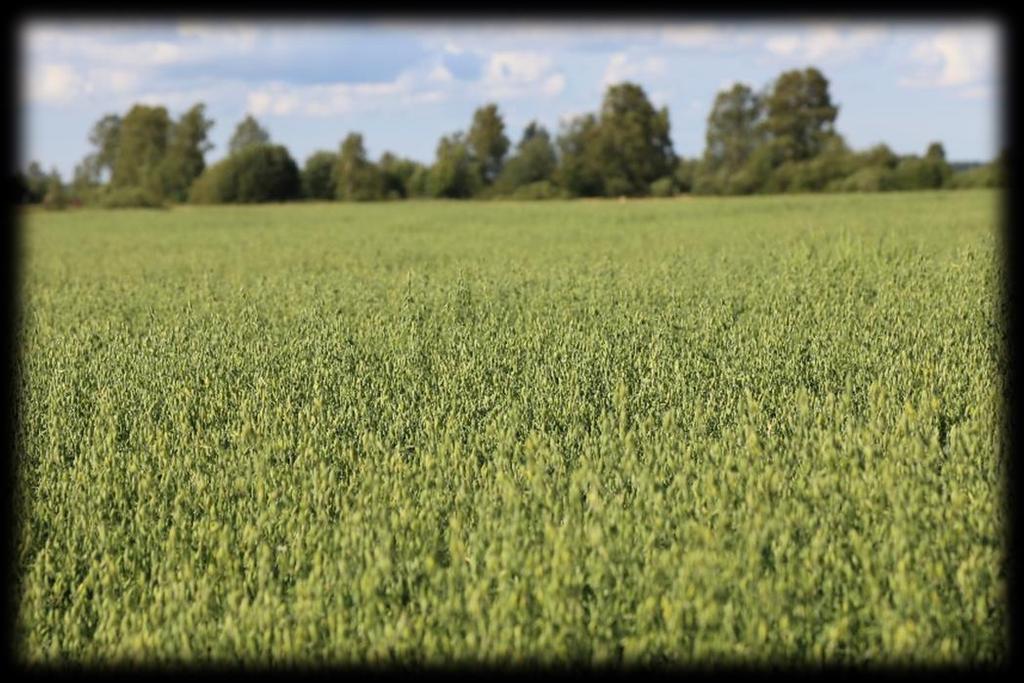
404 84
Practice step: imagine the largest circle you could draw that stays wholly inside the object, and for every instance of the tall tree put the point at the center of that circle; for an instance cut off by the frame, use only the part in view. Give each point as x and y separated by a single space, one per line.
104 137
247 133
799 113
535 160
36 183
936 152
397 176
142 143
86 179
635 146
580 169
186 150
357 177
732 129
55 197
455 173
319 175
487 141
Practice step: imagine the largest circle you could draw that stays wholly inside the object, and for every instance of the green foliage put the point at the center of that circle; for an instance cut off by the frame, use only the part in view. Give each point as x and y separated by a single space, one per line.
867 179
663 187
56 197
319 176
733 130
918 174
541 189
686 174
755 431
357 177
129 198
580 166
987 175
186 153
257 173
879 155
399 177
455 174
248 133
487 142
535 161
418 185
799 113
633 141
104 136
36 183
141 144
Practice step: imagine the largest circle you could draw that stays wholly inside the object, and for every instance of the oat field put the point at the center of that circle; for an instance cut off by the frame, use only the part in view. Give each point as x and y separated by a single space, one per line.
695 431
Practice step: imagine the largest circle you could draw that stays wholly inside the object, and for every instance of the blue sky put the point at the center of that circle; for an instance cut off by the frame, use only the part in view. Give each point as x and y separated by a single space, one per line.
404 84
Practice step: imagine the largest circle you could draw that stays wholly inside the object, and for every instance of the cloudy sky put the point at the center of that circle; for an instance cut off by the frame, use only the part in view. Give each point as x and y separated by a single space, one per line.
404 84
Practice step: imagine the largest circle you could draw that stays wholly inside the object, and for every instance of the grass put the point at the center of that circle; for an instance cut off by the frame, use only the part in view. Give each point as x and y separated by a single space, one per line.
744 430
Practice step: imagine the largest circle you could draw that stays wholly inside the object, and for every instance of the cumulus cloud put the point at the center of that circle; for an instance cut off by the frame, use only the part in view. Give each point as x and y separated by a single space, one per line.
826 43
285 99
953 58
511 74
696 35
54 84
622 68
554 84
440 74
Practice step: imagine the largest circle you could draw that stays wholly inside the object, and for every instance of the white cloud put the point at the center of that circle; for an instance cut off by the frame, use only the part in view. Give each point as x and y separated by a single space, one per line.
976 92
284 99
516 67
114 80
440 74
511 74
826 42
567 117
258 103
54 84
622 68
697 35
554 84
783 45
199 43
953 58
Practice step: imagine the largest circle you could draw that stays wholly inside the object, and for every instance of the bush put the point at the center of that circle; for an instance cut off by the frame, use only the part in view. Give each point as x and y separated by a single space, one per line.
318 176
55 197
918 174
663 187
130 198
542 189
869 179
259 173
981 176
685 174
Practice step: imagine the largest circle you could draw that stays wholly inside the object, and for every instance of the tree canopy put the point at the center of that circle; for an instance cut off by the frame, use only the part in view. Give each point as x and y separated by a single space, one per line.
779 139
247 133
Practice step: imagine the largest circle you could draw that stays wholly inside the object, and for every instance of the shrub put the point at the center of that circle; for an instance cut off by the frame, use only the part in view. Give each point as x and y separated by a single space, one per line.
868 179
918 174
542 189
663 187
55 197
130 197
259 173
988 175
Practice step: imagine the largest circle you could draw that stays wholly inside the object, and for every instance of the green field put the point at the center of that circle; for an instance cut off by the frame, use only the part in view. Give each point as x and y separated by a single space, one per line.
681 431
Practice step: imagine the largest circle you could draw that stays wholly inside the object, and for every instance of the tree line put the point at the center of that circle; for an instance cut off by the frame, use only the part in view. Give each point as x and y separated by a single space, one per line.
781 139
